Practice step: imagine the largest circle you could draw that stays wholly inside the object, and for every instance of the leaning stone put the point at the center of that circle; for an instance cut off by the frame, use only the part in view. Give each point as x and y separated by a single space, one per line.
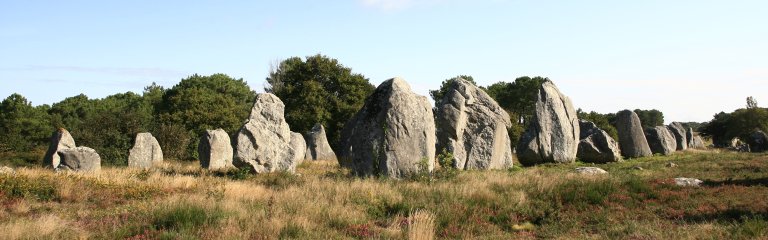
631 137
146 152
60 139
318 148
596 146
79 159
697 143
393 134
473 128
688 182
590 170
660 140
678 131
300 146
215 150
553 134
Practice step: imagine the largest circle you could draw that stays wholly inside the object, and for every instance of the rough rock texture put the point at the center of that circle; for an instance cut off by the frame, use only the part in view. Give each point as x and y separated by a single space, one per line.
688 182
263 144
318 148
215 150
758 141
596 146
553 134
697 142
631 137
689 136
590 170
79 159
300 146
393 134
679 132
473 127
660 140
60 139
146 152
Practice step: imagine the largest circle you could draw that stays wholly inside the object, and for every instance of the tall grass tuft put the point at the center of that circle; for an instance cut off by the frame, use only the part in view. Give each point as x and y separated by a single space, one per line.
421 225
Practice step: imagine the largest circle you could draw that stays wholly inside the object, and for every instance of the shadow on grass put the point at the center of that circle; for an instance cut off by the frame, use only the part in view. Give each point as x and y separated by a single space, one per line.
738 182
729 215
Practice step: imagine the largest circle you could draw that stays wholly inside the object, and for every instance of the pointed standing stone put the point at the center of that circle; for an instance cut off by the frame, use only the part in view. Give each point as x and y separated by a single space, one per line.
660 140
318 148
215 150
553 134
146 152
631 137
60 140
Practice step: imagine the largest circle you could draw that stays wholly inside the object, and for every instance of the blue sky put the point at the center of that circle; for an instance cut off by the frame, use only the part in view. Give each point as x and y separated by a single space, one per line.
689 59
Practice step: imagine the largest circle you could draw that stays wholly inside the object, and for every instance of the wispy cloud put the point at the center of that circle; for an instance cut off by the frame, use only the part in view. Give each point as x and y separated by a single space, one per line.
119 71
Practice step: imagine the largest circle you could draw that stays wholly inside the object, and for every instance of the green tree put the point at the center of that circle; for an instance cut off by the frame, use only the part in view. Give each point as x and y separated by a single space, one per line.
70 112
650 118
603 121
717 129
318 90
518 97
437 95
22 126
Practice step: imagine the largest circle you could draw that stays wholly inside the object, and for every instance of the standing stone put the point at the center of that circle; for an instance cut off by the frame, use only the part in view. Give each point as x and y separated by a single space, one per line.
596 146
758 141
79 159
146 152
473 127
689 136
553 134
631 137
300 146
263 144
660 140
678 131
215 150
318 148
60 139
393 134
697 142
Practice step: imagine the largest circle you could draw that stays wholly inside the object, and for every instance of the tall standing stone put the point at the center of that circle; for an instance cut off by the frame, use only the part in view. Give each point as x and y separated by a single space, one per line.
758 141
264 144
660 140
553 134
689 137
631 137
393 134
146 152
596 146
318 148
60 140
79 159
215 150
678 131
473 127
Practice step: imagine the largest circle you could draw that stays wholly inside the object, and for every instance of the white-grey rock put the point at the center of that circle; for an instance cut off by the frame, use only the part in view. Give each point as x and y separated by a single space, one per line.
60 139
79 159
146 152
631 137
318 148
473 127
671 165
697 142
596 146
393 134
215 150
661 140
678 131
590 170
263 144
300 146
553 134
688 182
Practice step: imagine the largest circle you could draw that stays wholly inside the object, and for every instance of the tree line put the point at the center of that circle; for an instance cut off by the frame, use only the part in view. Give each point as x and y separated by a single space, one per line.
315 89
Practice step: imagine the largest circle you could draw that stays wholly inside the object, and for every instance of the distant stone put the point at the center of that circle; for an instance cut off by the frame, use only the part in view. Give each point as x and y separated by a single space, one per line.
393 134
60 139
678 131
590 170
215 150
264 143
79 159
146 152
318 148
631 137
300 146
671 165
6 170
553 133
689 136
596 146
660 140
758 141
639 168
688 182
697 143
473 127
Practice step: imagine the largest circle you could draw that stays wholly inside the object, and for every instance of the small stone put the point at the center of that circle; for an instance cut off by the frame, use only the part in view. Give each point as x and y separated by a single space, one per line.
671 165
688 182
639 168
590 170
6 170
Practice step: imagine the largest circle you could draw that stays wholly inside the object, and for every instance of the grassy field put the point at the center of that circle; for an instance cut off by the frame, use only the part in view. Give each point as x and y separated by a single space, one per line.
181 201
